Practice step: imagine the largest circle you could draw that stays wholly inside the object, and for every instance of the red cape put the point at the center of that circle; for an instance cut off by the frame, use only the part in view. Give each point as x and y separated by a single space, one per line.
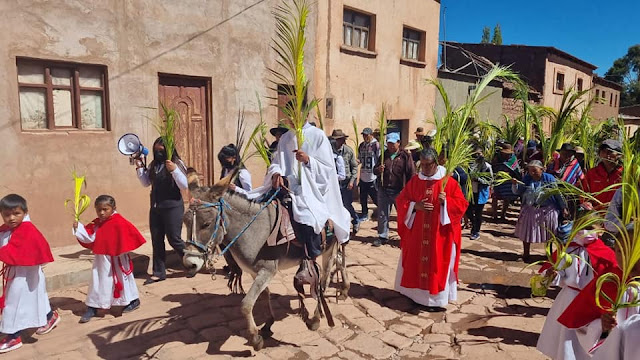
601 257
115 236
26 247
583 308
426 247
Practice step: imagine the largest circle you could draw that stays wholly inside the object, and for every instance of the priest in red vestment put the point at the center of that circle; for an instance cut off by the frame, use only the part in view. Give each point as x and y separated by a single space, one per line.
430 232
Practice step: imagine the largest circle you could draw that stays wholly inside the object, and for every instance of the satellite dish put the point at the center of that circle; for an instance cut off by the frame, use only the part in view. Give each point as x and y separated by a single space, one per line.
130 144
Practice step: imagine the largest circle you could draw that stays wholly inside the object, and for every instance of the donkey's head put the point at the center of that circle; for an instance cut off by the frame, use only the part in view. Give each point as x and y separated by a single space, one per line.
204 220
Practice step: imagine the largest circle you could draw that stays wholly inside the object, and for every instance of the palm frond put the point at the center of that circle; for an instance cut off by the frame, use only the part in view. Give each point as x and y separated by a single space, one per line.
167 128
383 123
356 137
81 202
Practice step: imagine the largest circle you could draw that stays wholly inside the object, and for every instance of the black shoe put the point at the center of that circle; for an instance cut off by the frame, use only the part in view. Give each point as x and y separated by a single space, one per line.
91 312
134 305
154 279
379 241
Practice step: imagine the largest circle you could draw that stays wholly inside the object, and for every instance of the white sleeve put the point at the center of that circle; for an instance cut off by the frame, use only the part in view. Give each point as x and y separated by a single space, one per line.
411 215
340 168
245 179
180 178
143 176
82 235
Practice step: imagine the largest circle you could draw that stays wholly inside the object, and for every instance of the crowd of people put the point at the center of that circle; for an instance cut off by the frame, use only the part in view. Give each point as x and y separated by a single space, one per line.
320 178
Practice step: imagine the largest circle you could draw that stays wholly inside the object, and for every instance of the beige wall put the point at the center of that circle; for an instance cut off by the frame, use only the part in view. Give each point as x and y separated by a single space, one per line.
572 72
225 40
601 109
490 109
359 85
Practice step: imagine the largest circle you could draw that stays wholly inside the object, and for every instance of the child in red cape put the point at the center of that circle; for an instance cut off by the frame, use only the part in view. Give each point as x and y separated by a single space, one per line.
591 322
111 237
23 250
591 258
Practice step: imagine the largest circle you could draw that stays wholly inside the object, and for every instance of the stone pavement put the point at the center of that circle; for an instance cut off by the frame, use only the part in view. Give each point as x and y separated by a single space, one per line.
494 317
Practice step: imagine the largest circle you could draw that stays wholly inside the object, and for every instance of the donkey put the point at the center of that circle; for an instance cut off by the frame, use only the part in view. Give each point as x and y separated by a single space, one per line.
227 216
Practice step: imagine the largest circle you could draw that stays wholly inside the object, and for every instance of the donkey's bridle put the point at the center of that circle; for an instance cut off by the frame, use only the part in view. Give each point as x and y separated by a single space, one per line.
221 223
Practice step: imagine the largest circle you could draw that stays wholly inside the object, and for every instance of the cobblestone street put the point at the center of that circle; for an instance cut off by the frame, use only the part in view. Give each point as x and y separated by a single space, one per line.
494 317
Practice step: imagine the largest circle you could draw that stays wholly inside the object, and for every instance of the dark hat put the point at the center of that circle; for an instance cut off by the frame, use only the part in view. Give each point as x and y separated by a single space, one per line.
567 147
338 134
419 131
280 129
506 148
367 131
613 145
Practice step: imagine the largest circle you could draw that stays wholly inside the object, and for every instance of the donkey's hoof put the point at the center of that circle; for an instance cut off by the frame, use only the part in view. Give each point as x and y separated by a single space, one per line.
257 342
266 332
313 324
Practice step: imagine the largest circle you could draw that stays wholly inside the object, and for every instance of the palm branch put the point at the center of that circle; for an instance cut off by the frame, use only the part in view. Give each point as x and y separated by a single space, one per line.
167 129
81 202
356 138
288 43
383 123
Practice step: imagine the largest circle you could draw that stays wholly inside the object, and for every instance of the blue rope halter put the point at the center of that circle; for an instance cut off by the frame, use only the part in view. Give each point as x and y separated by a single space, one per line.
221 219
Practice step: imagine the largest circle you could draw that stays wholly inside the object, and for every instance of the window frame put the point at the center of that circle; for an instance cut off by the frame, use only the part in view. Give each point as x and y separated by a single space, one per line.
579 84
557 74
421 42
75 92
603 97
371 29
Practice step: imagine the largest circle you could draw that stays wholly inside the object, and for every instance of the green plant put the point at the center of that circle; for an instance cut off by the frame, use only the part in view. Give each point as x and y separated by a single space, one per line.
167 129
383 123
80 201
291 22
356 137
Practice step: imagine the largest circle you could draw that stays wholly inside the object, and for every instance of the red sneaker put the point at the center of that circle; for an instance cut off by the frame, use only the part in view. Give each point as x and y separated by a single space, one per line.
53 322
8 344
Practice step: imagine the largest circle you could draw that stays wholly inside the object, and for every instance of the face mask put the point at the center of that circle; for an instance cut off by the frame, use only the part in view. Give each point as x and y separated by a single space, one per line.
585 237
159 155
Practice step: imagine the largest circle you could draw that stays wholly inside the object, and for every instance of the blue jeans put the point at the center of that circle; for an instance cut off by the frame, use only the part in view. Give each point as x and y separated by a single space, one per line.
386 198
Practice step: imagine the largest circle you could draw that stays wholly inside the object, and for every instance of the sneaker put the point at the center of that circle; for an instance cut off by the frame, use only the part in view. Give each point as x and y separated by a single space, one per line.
356 227
91 312
474 236
134 305
379 241
9 344
52 323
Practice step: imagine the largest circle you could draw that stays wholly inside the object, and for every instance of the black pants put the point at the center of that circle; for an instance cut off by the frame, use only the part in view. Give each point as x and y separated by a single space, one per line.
306 235
347 202
165 222
367 189
474 213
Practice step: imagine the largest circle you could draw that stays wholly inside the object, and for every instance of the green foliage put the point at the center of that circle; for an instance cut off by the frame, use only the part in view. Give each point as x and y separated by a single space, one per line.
455 126
167 129
356 137
383 123
486 35
497 35
291 22
258 139
626 71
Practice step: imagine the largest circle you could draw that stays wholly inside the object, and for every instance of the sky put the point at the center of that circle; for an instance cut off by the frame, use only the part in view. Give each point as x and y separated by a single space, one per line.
596 31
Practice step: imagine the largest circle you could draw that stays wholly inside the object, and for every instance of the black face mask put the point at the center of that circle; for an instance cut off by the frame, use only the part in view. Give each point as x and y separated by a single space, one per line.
159 155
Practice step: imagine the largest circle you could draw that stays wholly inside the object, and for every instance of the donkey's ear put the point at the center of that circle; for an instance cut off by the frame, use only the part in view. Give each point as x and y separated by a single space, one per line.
193 179
222 185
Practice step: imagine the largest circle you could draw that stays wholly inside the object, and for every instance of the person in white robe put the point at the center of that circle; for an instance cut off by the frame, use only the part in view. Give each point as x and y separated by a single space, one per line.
315 196
622 342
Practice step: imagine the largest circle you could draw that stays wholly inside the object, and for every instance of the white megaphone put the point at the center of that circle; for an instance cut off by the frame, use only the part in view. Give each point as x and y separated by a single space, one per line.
130 144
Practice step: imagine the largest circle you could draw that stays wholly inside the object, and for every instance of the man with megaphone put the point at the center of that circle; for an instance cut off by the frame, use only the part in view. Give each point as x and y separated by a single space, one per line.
167 177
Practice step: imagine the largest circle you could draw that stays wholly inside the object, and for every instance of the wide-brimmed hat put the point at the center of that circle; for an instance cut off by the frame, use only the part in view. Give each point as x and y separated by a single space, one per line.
338 134
412 145
567 147
419 131
367 131
280 129
506 149
613 145
579 150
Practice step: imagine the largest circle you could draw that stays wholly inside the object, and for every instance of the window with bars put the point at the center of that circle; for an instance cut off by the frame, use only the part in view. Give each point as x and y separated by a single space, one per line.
357 29
60 95
411 44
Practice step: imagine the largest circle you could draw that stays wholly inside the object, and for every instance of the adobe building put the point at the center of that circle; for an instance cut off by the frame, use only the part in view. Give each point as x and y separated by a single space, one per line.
374 52
606 95
78 75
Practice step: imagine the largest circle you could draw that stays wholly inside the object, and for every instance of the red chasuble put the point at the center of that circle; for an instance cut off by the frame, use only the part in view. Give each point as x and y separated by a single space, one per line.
115 236
26 247
426 247
583 309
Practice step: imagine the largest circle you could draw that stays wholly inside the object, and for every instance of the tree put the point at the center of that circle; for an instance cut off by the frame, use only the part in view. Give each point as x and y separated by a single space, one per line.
497 35
626 71
486 35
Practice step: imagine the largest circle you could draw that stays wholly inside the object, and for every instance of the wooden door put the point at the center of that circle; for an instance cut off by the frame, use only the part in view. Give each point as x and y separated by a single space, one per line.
190 98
